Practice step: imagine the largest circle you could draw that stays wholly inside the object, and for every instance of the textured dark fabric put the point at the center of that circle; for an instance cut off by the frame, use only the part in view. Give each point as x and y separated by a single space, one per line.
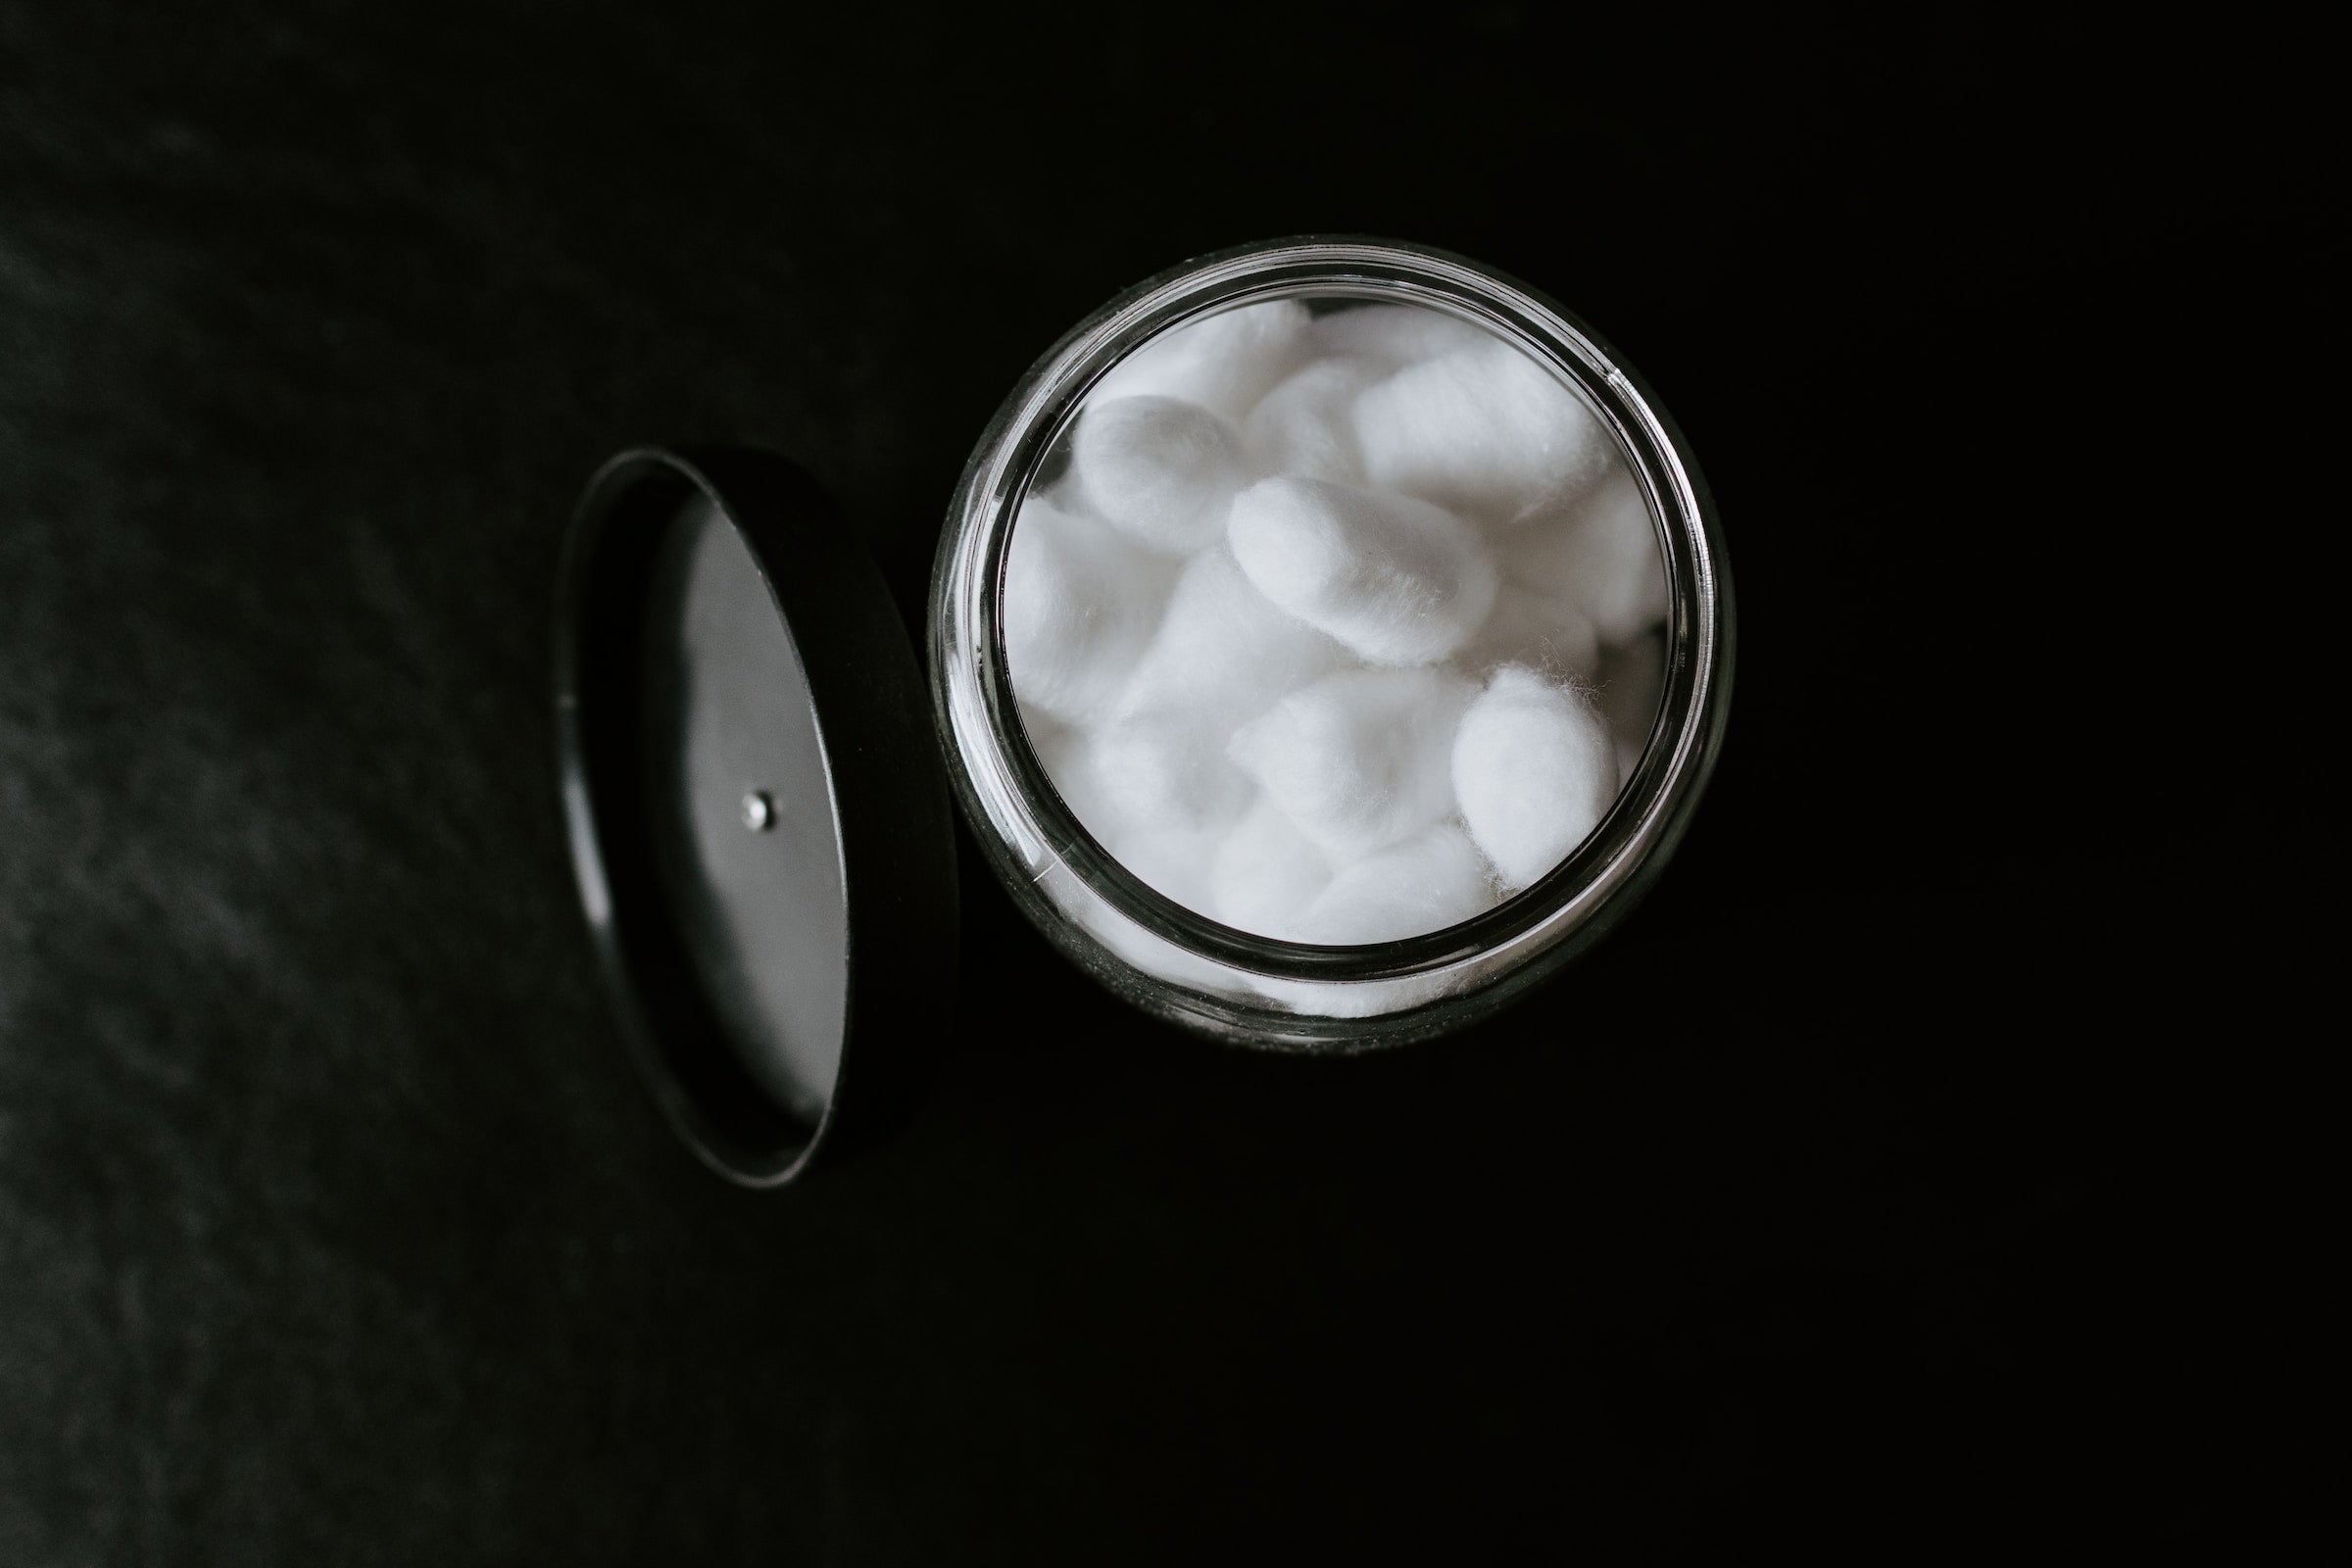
1828 1203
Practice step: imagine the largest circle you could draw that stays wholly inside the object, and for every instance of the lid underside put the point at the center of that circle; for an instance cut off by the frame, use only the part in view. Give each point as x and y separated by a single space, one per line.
758 818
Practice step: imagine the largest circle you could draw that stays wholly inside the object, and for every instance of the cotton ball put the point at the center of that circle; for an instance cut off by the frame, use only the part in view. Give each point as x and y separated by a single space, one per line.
1484 430
1428 882
1526 627
1079 607
1155 793
1043 727
1159 470
1223 651
1173 862
1053 741
1361 999
1631 682
1304 426
1534 770
1629 757
1397 580
1165 770
1598 548
1065 753
1395 334
1147 951
1225 363
1360 758
1265 872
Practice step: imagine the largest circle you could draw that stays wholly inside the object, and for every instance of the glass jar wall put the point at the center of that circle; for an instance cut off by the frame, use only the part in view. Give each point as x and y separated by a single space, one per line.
1150 928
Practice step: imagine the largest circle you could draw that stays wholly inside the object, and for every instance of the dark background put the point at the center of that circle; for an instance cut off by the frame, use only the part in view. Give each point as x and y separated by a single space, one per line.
1862 1195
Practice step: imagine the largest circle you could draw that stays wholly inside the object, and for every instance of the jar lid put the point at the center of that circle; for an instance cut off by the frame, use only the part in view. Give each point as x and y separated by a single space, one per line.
758 821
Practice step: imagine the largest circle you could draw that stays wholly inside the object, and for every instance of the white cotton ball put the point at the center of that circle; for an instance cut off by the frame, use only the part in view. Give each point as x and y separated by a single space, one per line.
1360 758
1304 426
1224 362
1265 872
1599 549
1629 757
1043 727
1080 604
1630 684
1396 335
1048 737
1160 470
1157 796
1361 999
1430 881
1065 755
1172 862
1397 580
1154 793
1223 651
1147 951
1484 430
1165 771
1534 770
1526 627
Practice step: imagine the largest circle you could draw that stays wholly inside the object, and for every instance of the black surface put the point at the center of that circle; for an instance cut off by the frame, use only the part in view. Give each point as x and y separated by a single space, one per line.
1860 1194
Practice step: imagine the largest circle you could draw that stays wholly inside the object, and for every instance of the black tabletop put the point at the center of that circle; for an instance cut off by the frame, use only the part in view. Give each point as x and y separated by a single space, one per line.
1847 1194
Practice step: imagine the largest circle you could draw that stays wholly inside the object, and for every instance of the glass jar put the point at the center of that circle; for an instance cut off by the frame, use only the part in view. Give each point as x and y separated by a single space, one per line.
1177 963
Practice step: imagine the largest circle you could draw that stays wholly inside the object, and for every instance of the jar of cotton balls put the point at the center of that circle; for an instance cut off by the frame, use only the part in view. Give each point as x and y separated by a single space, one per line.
1329 639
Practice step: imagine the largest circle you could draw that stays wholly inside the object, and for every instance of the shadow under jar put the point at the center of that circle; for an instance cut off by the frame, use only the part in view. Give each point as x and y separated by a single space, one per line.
1166 953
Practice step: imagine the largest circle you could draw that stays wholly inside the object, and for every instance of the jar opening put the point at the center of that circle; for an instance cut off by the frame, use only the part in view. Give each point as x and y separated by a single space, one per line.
1334 620
1033 814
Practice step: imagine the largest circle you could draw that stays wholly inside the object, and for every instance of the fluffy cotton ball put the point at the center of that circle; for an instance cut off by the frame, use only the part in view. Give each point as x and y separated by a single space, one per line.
1154 793
1223 651
1599 549
1396 335
1165 770
1534 770
1215 735
1631 682
1526 627
1079 607
1048 737
1172 862
1150 953
1428 882
1159 470
1265 872
1485 430
1225 363
1363 998
1065 755
1303 428
1039 724
1397 580
1358 759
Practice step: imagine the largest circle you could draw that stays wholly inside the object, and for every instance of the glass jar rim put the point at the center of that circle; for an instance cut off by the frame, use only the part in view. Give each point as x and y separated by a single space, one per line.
972 688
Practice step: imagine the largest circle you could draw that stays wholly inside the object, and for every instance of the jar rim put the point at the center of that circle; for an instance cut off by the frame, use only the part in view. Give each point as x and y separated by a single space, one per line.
1003 782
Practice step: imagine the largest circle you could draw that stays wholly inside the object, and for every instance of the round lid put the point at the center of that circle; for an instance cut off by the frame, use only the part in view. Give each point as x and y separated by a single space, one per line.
758 820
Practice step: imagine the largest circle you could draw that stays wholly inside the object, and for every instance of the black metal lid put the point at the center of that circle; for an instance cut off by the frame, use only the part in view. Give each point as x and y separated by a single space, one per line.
758 821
